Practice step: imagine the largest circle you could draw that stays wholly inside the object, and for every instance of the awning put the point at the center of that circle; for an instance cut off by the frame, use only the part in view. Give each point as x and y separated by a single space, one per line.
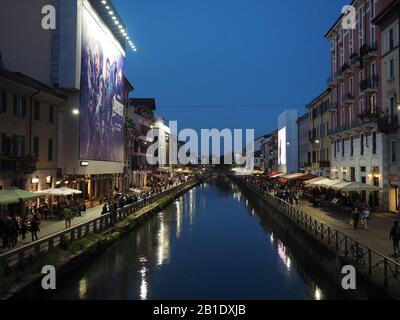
277 175
292 176
9 196
315 180
305 177
51 192
347 186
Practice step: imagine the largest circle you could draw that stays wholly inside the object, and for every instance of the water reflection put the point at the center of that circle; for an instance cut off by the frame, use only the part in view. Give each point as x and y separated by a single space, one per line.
225 258
83 288
163 249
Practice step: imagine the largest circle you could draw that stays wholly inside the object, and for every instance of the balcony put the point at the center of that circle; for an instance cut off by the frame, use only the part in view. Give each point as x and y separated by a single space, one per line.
369 85
348 99
15 165
388 123
345 70
369 52
332 107
355 61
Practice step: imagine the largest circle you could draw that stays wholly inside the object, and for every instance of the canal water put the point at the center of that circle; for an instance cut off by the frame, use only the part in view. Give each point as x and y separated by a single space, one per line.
212 243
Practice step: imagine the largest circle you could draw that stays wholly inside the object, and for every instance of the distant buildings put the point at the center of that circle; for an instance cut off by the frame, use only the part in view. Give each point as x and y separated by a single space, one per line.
288 141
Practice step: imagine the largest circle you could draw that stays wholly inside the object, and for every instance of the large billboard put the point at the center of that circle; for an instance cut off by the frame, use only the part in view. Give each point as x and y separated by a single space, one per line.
102 94
282 146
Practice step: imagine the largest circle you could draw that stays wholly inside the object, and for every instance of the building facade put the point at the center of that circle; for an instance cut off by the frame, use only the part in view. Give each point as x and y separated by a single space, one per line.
85 57
269 150
318 140
358 143
388 23
302 124
29 132
140 119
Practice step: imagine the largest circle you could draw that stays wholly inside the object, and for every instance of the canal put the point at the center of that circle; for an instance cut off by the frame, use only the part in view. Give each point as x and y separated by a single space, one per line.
214 242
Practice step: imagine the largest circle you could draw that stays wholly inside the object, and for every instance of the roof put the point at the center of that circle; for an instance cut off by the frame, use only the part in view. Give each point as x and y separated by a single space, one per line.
107 19
129 84
303 117
318 99
25 80
143 102
386 12
337 21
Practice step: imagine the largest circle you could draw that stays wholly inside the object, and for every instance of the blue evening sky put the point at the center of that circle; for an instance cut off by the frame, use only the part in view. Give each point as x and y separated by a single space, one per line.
228 63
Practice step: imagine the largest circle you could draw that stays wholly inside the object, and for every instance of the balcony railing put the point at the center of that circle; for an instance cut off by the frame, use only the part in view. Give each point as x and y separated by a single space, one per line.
368 50
370 84
14 164
388 122
355 60
348 99
332 107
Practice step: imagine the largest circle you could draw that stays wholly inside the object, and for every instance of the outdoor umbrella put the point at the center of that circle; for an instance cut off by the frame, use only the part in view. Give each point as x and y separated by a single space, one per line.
68 192
9 196
293 176
329 183
51 192
314 182
355 186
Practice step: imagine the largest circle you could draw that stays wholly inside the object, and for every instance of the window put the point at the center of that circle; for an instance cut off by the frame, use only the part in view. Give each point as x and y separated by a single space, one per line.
3 101
393 151
4 144
36 110
391 69
351 87
342 120
342 93
36 147
18 148
362 144
391 39
351 146
342 147
372 8
374 143
335 149
50 150
51 114
363 169
19 106
353 174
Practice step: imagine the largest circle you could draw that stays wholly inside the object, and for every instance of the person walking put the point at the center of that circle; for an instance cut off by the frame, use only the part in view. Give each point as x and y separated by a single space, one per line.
67 217
395 236
35 228
356 218
366 214
23 228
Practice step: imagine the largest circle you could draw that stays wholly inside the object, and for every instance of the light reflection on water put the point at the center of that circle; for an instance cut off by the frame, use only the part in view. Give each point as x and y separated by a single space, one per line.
203 246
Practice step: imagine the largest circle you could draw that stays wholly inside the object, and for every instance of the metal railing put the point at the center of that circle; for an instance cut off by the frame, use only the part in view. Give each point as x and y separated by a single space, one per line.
380 268
96 225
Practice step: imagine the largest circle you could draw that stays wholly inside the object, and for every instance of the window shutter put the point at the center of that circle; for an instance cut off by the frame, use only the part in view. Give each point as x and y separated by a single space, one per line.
3 143
15 104
24 107
4 101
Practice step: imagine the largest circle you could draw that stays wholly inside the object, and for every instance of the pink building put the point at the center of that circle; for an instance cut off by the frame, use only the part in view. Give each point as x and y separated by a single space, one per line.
358 144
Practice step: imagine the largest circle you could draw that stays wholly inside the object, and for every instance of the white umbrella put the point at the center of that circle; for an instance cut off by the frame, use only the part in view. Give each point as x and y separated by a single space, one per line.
315 180
329 183
355 186
68 191
51 192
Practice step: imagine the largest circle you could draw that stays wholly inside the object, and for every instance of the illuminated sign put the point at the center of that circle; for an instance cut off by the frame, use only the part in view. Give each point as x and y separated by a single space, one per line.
282 144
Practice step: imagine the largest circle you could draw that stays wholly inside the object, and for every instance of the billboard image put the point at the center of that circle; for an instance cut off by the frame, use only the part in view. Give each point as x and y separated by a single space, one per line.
102 95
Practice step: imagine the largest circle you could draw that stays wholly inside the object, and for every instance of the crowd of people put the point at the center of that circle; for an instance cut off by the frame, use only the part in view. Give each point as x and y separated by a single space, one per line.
296 192
14 227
